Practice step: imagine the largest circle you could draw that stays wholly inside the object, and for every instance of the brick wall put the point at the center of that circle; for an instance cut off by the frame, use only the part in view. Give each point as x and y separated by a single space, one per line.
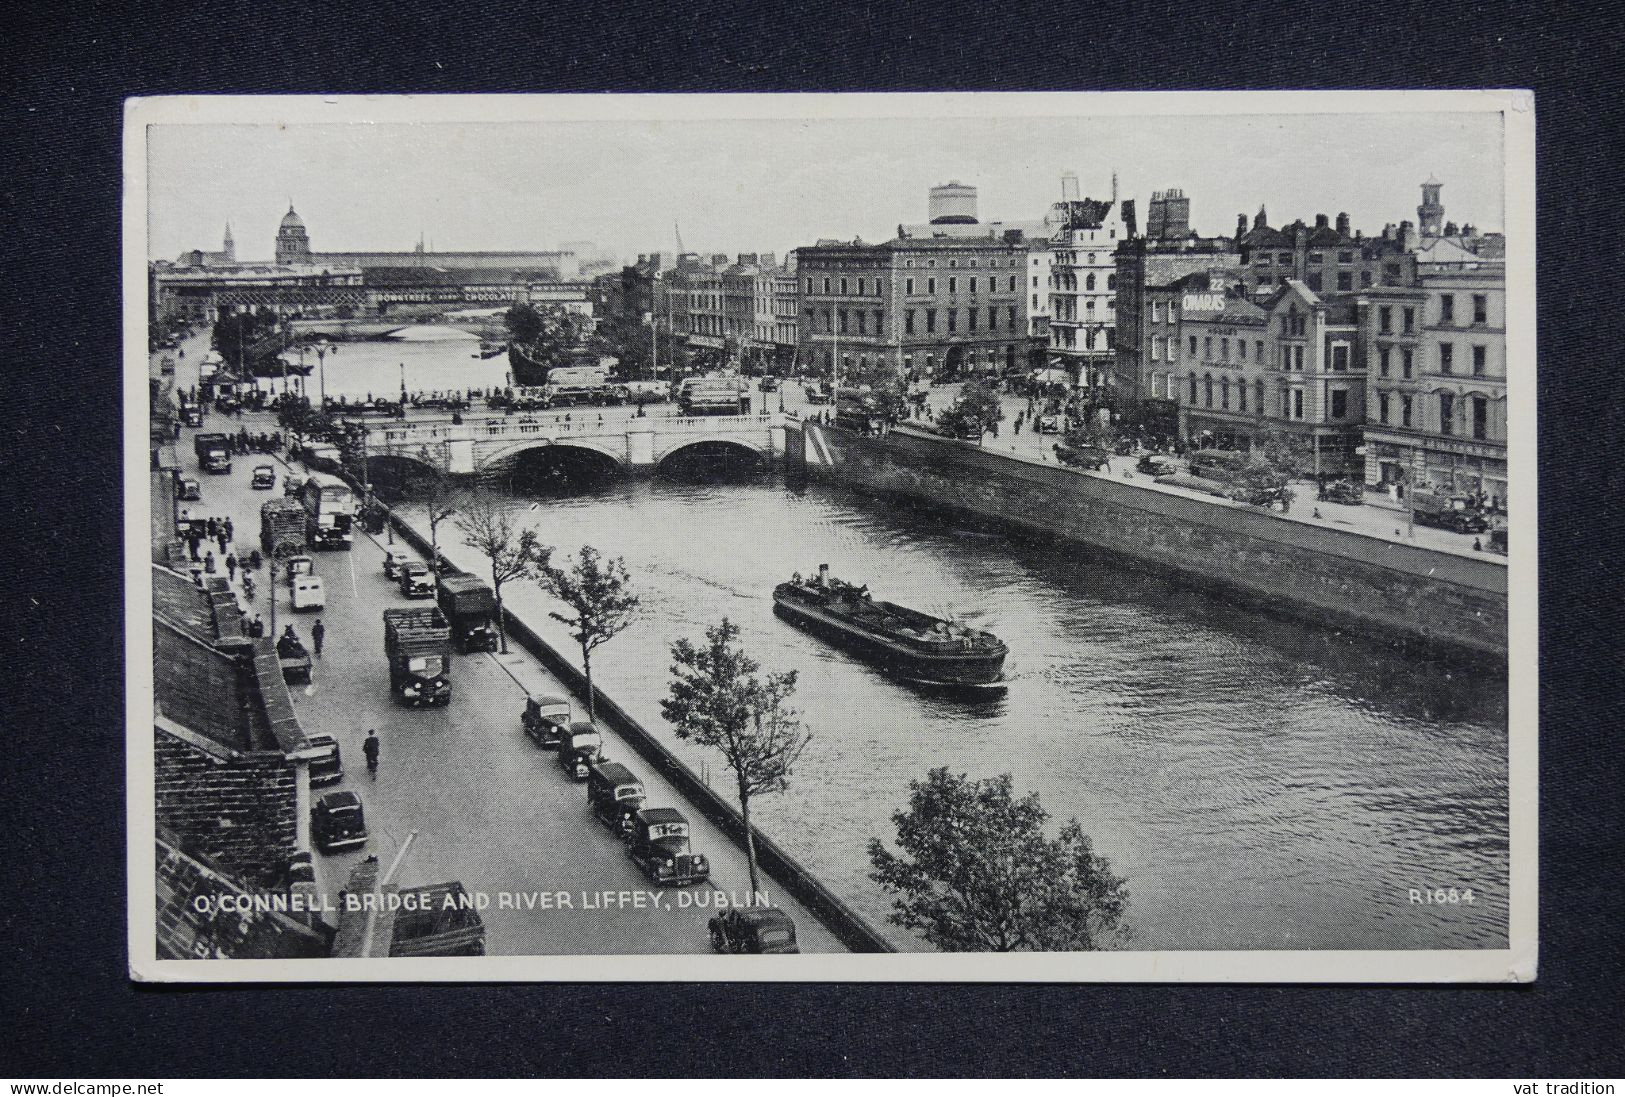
1453 603
238 809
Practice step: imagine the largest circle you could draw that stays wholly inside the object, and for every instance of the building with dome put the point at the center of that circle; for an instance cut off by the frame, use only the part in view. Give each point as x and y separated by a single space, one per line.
293 242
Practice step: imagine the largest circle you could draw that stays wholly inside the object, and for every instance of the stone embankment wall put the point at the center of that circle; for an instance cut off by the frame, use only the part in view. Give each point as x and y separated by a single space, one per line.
1450 604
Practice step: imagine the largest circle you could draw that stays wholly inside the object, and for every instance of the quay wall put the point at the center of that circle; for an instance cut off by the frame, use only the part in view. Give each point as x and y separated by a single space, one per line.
1449 604
847 925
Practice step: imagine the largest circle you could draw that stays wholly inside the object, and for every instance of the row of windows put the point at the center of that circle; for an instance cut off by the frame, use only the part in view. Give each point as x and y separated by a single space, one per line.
1467 417
1068 338
1385 320
931 263
1068 280
1481 308
866 321
1263 258
1066 308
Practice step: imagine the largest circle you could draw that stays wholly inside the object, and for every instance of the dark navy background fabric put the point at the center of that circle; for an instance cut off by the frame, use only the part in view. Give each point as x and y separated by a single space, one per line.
68 1007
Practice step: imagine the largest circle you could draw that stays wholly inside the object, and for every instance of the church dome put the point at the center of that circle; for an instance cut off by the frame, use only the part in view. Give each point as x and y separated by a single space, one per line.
290 220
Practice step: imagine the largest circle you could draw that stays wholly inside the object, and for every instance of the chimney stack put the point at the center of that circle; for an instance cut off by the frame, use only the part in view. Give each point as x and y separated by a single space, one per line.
823 575
1131 225
1321 221
1343 224
1241 225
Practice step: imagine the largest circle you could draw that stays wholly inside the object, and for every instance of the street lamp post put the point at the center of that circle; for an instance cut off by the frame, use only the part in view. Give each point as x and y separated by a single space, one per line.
323 348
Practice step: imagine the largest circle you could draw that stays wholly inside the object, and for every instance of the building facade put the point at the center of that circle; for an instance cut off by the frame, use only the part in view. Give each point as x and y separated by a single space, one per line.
1436 411
1148 273
1313 349
1083 292
1213 360
1327 258
940 306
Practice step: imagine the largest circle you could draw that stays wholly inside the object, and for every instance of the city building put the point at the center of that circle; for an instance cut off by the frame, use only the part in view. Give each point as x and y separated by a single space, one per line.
1326 257
1314 357
1083 291
1436 411
293 250
1210 358
1149 269
942 306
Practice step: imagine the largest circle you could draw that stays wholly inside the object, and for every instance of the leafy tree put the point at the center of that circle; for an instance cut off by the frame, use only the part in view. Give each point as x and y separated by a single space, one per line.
1286 452
597 591
978 874
718 700
975 412
432 484
524 323
489 528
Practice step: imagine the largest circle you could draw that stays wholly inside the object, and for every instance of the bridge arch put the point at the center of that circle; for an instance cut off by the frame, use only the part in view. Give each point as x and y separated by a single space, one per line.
391 474
715 443
504 454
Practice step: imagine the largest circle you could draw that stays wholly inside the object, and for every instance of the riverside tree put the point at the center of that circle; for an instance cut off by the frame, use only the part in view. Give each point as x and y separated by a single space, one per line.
597 592
719 699
489 528
977 873
975 413
433 486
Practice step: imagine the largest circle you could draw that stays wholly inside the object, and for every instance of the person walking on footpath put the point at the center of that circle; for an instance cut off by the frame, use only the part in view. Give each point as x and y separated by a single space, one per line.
231 567
317 631
226 525
370 748
220 539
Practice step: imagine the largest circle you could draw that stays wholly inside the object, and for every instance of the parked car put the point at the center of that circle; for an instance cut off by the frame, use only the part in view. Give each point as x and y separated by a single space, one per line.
337 822
1087 457
770 383
545 720
614 796
415 579
264 477
755 930
1157 464
297 566
393 559
1048 424
1342 491
188 489
579 748
327 766
659 845
292 485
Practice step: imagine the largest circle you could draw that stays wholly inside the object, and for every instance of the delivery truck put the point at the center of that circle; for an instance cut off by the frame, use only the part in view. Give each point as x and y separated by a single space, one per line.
213 453
417 642
713 396
470 607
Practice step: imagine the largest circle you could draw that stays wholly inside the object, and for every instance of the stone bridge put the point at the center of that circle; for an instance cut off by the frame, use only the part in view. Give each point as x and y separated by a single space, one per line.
633 445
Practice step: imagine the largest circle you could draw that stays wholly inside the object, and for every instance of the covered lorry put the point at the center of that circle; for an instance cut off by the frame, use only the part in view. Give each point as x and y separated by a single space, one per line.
713 396
471 608
213 452
282 528
330 510
417 642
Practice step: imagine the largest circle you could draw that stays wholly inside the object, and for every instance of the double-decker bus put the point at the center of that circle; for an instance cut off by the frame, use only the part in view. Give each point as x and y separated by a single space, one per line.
330 510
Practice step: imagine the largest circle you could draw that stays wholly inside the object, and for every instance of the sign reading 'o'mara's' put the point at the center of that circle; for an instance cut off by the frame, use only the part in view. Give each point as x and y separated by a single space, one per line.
1203 302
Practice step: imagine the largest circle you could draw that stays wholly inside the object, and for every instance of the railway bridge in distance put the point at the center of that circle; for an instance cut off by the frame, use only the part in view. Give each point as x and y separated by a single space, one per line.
635 446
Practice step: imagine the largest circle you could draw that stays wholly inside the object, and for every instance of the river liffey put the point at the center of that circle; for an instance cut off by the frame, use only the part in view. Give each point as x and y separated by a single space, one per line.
1261 784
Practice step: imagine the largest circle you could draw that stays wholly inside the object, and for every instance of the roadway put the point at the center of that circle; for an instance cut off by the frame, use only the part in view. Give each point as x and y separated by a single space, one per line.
490 809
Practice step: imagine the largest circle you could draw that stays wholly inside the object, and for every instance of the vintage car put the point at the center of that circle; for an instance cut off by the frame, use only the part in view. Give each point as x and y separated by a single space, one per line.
614 796
192 415
1049 424
1455 514
188 489
308 594
264 476
337 822
293 659
770 383
1207 462
753 930
579 748
1157 464
1342 491
659 846
297 566
328 765
292 485
393 559
1084 457
415 579
546 719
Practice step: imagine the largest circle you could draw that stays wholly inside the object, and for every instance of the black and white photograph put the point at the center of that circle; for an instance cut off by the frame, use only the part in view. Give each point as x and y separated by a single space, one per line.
981 537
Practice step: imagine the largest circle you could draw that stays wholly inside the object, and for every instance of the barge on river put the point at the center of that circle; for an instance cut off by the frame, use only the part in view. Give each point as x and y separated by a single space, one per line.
903 642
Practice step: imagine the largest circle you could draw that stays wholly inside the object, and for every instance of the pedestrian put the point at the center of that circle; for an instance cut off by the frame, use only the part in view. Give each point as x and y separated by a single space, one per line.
214 527
231 567
220 539
370 747
317 631
1017 427
1478 546
208 564
230 535
193 542
257 628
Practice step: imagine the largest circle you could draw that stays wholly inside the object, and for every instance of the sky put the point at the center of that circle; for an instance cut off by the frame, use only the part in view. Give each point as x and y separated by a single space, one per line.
772 185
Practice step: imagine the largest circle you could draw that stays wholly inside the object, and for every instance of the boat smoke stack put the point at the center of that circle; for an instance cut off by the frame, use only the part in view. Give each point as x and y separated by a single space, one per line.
823 575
